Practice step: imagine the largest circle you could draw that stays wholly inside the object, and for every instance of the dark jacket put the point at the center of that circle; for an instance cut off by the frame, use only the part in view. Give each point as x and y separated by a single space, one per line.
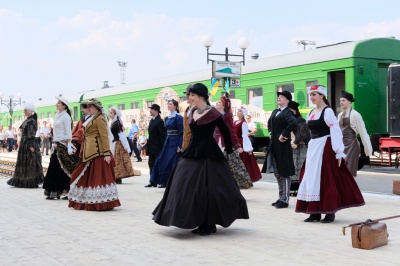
157 135
279 125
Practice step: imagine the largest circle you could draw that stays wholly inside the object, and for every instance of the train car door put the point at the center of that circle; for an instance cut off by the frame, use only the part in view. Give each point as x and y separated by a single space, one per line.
336 84
394 100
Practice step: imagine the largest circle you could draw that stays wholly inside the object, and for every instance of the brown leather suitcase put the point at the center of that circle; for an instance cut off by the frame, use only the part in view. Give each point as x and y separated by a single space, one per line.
369 235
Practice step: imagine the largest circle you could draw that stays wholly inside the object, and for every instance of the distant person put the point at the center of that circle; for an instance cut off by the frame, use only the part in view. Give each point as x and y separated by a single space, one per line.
10 133
279 155
120 146
300 138
28 169
157 135
252 129
186 127
351 124
3 138
326 184
51 136
37 136
170 152
45 133
132 138
142 145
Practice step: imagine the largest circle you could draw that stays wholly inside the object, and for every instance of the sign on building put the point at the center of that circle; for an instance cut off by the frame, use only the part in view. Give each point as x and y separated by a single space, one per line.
223 69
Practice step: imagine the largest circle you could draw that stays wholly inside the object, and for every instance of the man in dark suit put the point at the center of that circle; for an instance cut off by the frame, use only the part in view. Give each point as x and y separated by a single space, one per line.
157 135
279 158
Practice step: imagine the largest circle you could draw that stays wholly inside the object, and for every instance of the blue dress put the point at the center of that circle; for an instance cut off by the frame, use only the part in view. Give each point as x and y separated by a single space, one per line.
168 156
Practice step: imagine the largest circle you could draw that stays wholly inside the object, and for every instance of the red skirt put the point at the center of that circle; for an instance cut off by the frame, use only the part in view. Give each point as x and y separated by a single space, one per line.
338 190
250 162
93 186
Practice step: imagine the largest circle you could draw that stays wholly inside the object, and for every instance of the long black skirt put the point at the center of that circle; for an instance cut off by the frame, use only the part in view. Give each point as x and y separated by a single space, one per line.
200 191
57 179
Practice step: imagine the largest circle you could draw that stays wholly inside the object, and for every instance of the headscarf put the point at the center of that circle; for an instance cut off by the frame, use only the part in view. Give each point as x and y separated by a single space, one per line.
244 110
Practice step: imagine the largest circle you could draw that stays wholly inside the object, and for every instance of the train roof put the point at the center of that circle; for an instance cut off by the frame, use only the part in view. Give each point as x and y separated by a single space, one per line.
383 48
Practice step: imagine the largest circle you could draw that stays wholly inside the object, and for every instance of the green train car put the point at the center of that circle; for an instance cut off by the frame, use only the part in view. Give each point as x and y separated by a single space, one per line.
360 67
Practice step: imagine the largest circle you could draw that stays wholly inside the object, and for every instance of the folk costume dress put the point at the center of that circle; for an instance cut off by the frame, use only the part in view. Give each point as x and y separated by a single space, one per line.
57 179
324 186
351 123
249 160
235 163
120 149
300 136
93 181
201 188
168 156
28 169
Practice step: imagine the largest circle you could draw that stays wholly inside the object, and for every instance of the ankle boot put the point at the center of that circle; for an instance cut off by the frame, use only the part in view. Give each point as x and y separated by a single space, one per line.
208 230
329 218
313 217
199 229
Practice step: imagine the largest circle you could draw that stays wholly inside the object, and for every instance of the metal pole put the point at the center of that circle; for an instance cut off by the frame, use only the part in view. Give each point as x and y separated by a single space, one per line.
207 55
11 112
226 54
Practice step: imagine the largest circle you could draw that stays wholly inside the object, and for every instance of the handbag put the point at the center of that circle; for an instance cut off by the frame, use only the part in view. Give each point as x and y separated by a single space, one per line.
369 235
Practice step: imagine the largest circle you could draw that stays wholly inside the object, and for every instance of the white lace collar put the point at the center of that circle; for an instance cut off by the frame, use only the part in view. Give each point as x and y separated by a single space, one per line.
172 114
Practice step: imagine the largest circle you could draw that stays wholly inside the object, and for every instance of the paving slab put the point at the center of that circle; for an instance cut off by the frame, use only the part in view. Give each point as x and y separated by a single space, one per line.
35 231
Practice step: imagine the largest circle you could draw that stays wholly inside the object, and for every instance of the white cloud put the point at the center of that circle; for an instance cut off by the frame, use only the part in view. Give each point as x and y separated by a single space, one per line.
85 19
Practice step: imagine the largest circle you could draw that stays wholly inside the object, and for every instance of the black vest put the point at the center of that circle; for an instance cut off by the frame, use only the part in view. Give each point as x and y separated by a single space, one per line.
318 127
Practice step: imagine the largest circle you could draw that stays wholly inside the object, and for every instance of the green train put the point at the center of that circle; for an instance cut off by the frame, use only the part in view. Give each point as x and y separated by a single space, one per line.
360 67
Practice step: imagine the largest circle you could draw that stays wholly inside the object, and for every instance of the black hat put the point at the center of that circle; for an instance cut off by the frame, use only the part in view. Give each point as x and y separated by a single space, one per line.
287 95
347 96
188 88
200 89
156 107
294 105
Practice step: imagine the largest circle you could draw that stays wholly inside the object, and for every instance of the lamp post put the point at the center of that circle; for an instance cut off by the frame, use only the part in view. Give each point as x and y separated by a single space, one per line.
208 41
10 104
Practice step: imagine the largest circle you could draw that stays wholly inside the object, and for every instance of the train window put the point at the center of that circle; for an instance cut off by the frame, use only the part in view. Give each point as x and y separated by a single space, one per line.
76 113
135 105
42 115
232 94
285 87
121 106
149 103
309 84
49 115
182 99
254 96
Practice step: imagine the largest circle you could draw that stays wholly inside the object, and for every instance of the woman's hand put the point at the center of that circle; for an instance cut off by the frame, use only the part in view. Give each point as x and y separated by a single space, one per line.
178 149
32 149
240 150
339 161
107 159
294 146
250 152
282 138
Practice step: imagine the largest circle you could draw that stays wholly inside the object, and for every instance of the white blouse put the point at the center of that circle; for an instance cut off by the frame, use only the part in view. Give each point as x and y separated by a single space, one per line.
62 126
247 147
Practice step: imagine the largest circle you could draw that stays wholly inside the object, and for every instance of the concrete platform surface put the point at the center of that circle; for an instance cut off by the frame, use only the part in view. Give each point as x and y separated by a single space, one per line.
35 231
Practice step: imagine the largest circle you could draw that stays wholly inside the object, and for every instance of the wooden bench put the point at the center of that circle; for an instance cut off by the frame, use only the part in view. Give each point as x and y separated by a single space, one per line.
390 145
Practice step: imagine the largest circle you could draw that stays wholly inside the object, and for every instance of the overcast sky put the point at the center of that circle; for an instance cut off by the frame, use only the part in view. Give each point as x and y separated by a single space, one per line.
70 46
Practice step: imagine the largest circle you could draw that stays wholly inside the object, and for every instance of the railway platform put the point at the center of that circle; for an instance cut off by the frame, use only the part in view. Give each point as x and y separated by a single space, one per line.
35 231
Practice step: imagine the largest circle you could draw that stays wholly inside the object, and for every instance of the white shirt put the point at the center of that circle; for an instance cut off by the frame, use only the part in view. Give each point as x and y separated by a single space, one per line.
10 134
45 131
251 125
357 124
282 108
62 126
2 134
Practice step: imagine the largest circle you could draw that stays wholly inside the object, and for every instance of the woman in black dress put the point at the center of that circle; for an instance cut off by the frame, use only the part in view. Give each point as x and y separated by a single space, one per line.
201 191
28 170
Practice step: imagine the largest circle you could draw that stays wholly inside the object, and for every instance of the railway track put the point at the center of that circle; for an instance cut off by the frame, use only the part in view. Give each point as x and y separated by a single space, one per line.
7 169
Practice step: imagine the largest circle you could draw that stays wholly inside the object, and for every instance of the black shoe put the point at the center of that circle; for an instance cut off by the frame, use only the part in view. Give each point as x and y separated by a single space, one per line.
49 198
281 205
313 217
118 181
47 154
161 186
150 185
199 229
328 218
208 230
138 161
276 202
65 198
